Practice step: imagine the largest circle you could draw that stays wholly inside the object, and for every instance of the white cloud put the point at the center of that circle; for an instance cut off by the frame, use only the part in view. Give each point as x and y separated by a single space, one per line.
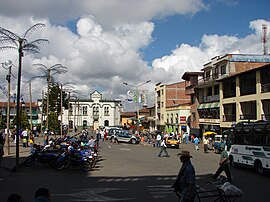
189 58
104 50
107 12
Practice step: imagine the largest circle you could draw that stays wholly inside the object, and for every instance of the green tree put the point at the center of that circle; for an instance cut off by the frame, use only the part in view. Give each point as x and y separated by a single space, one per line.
2 121
24 119
54 123
55 99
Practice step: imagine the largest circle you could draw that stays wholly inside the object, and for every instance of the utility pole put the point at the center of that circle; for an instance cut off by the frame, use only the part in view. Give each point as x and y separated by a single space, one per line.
264 39
61 109
68 108
41 124
74 116
47 111
9 64
31 121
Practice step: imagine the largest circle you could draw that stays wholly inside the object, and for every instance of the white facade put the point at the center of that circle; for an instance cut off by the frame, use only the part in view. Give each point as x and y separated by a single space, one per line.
93 113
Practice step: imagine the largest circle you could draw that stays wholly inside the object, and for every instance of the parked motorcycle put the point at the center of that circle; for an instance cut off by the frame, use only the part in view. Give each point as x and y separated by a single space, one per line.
43 156
74 157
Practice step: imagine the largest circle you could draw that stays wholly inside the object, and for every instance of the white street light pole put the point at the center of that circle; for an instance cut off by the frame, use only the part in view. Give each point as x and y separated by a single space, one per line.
8 64
137 100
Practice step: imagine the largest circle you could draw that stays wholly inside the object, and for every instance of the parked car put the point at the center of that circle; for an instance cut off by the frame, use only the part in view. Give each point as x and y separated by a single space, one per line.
125 136
172 141
112 132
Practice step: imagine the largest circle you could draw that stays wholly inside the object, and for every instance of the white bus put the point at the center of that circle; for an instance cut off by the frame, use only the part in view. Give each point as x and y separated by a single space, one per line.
251 145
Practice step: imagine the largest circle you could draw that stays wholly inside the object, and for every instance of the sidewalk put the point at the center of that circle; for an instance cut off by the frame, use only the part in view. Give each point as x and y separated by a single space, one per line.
9 160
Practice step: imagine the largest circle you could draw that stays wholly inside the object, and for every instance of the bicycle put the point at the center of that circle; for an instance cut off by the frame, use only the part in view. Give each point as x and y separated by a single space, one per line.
222 192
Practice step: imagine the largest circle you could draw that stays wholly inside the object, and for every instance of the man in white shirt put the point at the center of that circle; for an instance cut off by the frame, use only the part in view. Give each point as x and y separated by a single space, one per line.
163 148
158 140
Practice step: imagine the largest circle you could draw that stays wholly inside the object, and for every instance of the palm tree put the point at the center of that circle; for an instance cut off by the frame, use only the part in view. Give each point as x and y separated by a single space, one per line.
21 44
48 74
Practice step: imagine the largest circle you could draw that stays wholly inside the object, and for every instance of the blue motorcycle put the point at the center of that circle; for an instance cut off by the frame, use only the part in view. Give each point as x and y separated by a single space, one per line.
43 156
74 157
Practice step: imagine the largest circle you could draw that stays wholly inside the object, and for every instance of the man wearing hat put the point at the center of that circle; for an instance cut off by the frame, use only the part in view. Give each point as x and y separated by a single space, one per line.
185 184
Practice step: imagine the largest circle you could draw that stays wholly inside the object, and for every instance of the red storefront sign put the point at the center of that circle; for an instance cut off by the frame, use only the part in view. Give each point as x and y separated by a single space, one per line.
183 119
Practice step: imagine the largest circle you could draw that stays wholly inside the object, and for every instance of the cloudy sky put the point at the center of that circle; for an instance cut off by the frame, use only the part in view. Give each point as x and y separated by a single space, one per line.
104 43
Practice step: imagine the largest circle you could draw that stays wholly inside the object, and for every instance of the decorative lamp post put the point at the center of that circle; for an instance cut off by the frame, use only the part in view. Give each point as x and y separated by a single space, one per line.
137 100
8 64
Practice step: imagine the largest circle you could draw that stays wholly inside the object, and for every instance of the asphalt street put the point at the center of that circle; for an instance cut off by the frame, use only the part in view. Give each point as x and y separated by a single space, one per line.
126 172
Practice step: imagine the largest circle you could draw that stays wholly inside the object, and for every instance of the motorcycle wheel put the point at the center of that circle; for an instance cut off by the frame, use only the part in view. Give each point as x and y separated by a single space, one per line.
60 165
30 161
53 162
67 163
85 166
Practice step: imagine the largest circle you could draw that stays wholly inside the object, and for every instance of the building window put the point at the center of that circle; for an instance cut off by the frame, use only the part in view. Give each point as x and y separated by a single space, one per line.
223 69
209 91
229 88
106 123
216 90
70 109
106 111
176 118
84 110
171 118
215 72
162 104
95 111
248 83
207 75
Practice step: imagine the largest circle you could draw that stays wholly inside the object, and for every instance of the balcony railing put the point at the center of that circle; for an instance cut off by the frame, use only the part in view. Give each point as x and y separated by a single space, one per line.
248 117
211 98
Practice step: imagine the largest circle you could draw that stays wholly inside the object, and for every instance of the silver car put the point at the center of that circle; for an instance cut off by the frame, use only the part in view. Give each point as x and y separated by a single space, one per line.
125 136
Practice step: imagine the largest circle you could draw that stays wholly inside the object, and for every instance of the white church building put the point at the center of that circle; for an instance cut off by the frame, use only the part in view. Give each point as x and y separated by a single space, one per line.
92 113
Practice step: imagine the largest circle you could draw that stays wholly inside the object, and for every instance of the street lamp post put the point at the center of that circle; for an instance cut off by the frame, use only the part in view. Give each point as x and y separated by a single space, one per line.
137 100
8 64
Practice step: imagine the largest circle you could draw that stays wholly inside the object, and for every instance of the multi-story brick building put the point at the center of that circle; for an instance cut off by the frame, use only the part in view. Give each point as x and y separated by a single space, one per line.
172 107
191 80
231 90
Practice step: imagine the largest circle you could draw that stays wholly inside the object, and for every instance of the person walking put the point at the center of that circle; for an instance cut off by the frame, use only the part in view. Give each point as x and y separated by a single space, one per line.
205 144
185 184
31 143
223 165
163 148
25 137
158 140
196 143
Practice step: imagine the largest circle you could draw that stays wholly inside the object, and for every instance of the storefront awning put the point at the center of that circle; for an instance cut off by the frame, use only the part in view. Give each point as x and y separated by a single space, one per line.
208 105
